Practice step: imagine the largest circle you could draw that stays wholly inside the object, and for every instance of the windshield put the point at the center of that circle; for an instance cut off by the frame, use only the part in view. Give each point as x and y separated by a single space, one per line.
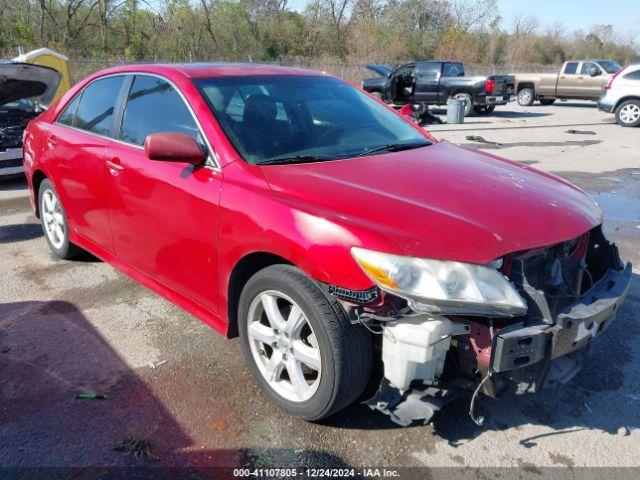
303 117
609 66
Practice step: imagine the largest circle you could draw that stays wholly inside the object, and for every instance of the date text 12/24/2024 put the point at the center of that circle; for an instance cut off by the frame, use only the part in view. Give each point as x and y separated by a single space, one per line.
315 473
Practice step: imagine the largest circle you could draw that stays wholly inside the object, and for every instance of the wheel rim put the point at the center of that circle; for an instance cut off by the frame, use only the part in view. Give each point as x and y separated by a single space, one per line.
53 219
525 96
284 346
630 113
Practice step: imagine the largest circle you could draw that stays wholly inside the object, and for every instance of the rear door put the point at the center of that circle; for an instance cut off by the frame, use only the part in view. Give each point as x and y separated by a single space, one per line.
427 79
568 80
76 144
163 215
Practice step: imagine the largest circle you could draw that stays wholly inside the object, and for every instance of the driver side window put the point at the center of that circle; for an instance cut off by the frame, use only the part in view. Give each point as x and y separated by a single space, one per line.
587 66
153 106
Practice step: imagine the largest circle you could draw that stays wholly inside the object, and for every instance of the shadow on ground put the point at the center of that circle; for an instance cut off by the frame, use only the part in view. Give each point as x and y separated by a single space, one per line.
50 353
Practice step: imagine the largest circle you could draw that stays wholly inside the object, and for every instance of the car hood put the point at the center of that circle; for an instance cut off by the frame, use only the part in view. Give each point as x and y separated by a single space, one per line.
23 80
441 201
383 70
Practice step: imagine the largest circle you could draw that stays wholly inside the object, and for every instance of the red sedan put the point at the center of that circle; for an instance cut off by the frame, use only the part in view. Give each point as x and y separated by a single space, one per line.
294 210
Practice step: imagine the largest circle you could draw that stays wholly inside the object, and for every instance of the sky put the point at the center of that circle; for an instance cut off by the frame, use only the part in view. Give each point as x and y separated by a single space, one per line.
624 15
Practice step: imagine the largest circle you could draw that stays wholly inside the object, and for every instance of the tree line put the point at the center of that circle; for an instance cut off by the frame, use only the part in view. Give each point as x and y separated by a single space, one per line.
269 30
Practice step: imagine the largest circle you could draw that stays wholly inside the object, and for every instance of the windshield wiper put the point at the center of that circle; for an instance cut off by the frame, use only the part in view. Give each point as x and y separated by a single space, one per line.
393 147
294 159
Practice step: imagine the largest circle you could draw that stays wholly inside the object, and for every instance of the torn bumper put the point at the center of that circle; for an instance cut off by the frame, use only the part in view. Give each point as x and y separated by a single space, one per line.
537 354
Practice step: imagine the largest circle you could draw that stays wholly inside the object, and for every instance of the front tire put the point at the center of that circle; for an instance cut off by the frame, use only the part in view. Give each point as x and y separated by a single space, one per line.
526 97
299 345
54 222
628 113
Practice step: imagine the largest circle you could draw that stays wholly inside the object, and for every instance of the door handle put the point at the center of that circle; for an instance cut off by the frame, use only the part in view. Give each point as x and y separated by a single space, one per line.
52 141
114 166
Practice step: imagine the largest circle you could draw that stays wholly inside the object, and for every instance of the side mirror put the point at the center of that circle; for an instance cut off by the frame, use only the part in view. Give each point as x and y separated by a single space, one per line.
594 72
173 147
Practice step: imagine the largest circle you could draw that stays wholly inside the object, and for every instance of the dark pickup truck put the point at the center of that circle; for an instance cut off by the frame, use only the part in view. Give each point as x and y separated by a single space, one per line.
433 82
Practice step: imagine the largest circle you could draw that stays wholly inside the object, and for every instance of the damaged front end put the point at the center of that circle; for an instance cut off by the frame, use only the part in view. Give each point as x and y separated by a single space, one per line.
435 348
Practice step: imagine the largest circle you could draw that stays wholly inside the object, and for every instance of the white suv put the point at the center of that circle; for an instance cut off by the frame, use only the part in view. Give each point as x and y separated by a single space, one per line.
622 96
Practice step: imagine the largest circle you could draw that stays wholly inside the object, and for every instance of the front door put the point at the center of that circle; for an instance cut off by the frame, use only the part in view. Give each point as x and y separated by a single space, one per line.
163 215
591 86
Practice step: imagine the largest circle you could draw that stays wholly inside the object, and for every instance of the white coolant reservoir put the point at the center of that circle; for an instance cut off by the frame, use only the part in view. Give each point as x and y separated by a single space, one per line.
415 348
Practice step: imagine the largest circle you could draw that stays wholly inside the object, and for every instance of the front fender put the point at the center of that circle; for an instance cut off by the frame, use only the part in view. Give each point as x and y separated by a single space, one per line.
253 218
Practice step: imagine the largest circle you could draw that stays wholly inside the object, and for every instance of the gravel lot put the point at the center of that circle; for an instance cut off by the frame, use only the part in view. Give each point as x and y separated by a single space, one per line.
79 326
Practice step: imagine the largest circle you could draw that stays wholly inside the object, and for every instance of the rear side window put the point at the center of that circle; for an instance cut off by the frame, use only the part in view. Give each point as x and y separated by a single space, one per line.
153 106
571 68
429 69
98 102
453 69
632 75
68 115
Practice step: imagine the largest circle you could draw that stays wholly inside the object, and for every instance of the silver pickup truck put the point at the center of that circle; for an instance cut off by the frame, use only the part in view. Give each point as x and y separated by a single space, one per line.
578 79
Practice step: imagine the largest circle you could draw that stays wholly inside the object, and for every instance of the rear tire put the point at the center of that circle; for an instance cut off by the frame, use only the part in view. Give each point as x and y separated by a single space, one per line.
468 107
526 97
54 222
547 101
628 113
484 109
330 358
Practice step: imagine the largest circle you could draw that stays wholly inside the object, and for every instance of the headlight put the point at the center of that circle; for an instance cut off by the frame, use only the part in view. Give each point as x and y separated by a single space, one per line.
442 286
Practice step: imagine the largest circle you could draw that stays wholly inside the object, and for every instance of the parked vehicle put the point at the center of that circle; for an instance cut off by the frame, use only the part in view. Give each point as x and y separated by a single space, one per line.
25 91
293 210
577 80
622 96
434 82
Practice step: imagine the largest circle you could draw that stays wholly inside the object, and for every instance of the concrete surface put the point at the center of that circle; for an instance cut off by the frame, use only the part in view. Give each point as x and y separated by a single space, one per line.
79 326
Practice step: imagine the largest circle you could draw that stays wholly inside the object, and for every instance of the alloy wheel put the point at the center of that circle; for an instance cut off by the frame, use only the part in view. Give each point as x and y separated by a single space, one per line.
53 219
630 113
284 346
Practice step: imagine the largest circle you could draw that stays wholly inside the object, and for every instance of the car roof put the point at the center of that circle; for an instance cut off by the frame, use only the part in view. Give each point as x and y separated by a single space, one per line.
200 70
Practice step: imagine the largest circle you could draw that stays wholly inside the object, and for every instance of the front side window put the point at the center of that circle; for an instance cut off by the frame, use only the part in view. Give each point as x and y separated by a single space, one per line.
295 117
95 112
154 106
586 68
571 68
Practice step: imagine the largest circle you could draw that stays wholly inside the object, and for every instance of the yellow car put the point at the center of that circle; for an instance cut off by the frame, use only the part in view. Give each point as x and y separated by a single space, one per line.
51 59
